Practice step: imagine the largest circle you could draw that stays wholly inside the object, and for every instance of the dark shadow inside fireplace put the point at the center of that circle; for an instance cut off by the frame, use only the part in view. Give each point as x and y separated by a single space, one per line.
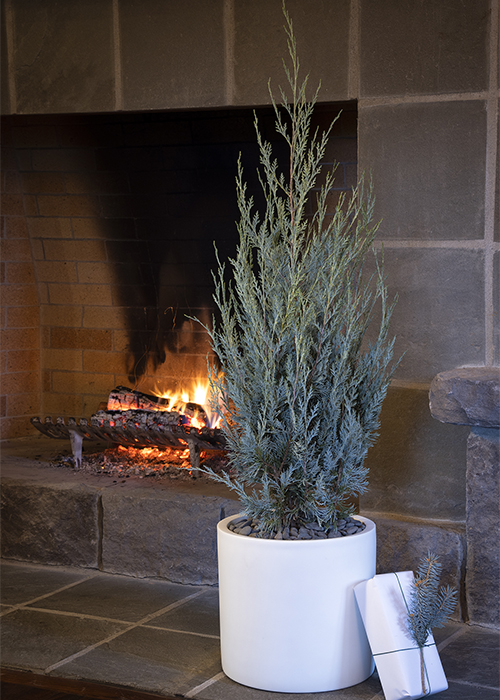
180 169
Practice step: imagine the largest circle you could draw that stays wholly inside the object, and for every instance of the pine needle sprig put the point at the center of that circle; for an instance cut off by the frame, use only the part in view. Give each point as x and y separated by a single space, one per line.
430 605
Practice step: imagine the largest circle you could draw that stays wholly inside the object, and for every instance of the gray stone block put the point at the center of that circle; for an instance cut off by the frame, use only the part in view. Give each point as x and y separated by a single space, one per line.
172 54
415 48
417 466
483 526
428 163
467 396
322 32
49 524
170 536
401 545
496 305
63 56
439 318
496 222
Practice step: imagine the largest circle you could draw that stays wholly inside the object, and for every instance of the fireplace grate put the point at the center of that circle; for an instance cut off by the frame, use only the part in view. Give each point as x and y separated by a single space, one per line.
132 434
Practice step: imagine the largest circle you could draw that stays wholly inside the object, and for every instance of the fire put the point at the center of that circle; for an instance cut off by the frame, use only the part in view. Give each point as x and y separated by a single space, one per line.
188 402
197 423
153 459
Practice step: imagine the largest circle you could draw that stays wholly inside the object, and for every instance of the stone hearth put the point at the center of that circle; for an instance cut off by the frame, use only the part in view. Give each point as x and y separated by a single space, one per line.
144 527
149 528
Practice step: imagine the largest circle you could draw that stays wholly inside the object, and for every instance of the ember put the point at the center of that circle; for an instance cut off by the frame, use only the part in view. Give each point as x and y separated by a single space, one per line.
123 462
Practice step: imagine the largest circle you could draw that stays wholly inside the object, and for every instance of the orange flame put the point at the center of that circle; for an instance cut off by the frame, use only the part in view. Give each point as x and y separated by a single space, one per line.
198 394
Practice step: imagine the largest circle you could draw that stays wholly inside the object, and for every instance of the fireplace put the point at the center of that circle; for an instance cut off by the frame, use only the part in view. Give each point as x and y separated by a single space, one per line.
82 317
119 214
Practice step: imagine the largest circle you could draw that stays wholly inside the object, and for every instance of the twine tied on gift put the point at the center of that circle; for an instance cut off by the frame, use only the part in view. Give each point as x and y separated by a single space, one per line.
423 668
430 605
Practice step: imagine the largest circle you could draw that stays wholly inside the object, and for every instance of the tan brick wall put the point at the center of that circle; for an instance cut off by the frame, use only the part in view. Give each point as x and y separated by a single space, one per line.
20 395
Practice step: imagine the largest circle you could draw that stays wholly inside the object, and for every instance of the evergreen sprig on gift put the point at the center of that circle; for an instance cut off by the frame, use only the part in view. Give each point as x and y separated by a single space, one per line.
300 385
430 605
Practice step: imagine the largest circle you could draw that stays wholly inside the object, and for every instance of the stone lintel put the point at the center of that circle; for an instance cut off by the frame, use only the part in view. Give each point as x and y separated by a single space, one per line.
467 396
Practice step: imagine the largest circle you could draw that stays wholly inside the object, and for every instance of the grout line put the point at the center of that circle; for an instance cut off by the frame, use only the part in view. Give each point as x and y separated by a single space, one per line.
129 627
11 72
47 595
228 32
171 629
473 685
442 645
353 76
466 244
84 616
117 57
490 183
172 606
419 99
197 689
82 652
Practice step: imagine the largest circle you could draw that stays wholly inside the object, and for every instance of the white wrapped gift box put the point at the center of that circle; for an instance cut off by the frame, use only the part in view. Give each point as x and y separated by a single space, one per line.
404 670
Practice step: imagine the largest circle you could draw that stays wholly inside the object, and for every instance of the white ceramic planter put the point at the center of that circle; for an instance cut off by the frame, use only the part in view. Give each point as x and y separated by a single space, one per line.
289 620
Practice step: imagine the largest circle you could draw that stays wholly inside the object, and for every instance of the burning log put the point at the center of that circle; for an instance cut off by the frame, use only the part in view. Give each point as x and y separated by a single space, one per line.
124 399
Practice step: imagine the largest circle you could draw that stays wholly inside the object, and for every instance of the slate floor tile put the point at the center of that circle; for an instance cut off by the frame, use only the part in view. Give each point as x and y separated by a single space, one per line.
117 597
473 657
105 665
443 634
461 691
150 659
35 640
20 583
200 615
226 689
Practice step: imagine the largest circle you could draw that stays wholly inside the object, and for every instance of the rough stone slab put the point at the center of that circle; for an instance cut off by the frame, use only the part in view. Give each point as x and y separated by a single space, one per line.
148 535
174 54
483 528
322 31
156 527
401 545
442 197
467 396
415 458
50 524
407 50
51 78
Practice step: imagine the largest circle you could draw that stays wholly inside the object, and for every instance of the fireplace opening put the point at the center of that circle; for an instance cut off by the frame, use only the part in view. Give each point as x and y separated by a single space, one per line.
122 212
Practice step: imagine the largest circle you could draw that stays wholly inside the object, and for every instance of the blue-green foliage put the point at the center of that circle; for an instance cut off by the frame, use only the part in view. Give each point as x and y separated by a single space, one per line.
430 605
301 393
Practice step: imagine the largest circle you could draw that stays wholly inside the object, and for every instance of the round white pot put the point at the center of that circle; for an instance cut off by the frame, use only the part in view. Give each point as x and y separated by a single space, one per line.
289 620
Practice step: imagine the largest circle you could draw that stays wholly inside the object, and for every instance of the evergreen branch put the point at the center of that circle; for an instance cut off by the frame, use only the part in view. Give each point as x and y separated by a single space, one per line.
430 605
